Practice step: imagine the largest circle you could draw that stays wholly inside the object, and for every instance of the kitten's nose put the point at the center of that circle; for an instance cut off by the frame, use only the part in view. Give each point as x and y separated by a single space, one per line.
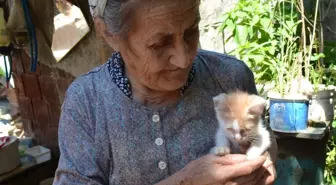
237 137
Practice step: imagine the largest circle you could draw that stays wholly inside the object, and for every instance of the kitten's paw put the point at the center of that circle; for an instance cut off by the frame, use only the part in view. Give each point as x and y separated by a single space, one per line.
253 153
221 151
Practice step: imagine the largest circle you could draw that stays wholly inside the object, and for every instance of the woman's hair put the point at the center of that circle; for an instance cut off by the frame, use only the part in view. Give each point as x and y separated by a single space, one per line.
116 16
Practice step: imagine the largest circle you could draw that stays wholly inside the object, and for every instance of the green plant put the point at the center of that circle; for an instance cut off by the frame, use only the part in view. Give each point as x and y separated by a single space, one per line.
265 33
276 39
330 169
251 27
329 78
329 75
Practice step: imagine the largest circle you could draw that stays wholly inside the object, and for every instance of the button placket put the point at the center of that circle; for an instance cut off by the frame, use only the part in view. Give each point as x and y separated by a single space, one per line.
162 165
159 142
156 118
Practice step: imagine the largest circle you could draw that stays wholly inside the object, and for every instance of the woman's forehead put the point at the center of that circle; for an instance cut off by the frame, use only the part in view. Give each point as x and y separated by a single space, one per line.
164 5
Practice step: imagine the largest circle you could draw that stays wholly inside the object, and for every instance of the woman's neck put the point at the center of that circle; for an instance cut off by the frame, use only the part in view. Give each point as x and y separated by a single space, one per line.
150 97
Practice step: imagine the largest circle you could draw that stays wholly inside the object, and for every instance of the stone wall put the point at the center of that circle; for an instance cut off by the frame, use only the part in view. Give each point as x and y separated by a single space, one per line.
211 11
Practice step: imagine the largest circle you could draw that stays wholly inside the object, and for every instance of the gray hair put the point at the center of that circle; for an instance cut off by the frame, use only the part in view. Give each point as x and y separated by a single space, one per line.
116 16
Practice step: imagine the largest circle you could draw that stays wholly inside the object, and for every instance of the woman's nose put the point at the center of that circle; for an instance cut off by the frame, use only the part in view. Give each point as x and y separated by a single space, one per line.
180 56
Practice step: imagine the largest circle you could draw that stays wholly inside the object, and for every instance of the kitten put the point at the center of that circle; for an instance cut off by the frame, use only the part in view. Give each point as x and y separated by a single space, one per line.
239 116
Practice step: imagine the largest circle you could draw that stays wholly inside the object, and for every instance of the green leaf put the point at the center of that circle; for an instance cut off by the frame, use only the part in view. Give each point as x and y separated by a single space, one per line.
317 56
248 8
257 58
241 34
230 26
224 17
255 19
265 22
242 15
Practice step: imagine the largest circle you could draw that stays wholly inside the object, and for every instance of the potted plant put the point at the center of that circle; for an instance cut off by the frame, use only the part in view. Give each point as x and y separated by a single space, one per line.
289 101
322 102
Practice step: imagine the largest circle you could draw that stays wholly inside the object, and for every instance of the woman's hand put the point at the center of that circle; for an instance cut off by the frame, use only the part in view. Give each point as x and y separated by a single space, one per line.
268 178
212 169
262 176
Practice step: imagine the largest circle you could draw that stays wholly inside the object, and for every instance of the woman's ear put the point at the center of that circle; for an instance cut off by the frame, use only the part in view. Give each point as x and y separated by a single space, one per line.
111 39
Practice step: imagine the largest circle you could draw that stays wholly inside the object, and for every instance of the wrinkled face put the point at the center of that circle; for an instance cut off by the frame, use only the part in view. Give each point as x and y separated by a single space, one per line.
162 43
239 114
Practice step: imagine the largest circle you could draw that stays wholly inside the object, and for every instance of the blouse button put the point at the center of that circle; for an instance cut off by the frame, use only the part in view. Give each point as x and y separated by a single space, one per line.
162 165
156 118
158 141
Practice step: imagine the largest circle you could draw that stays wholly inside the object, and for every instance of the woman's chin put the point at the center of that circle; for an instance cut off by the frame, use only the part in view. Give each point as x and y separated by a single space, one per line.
171 86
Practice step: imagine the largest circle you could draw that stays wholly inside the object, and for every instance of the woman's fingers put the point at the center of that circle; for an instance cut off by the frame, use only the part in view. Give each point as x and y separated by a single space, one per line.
270 176
243 168
231 159
248 179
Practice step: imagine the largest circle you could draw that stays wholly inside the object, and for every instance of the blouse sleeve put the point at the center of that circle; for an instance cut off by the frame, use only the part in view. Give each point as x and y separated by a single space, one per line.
229 72
249 82
79 161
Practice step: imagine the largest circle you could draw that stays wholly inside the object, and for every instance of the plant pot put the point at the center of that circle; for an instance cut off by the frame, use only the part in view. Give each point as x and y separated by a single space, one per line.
288 115
321 108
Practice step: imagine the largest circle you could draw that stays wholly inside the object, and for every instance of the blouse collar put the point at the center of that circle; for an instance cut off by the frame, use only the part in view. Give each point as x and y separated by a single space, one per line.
116 69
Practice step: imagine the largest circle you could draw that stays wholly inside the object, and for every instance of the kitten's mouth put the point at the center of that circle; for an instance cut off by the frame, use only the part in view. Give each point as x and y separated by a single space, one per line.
243 141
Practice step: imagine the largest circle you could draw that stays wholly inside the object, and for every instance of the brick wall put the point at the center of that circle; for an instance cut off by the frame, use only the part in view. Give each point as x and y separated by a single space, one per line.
40 96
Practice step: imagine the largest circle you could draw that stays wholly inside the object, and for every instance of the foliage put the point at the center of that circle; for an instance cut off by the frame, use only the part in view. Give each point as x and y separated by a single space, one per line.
251 26
268 38
330 170
329 77
2 73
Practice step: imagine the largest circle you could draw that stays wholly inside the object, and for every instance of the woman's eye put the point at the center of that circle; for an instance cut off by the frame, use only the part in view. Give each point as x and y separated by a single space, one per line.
158 45
190 34
162 42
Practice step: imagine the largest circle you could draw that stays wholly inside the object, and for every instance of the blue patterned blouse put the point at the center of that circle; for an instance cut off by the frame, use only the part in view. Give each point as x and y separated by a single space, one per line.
107 138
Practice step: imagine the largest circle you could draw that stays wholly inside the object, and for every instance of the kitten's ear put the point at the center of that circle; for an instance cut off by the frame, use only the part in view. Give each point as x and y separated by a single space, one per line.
257 105
219 98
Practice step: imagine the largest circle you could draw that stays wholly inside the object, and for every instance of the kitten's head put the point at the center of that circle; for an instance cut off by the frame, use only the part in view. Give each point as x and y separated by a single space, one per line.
239 113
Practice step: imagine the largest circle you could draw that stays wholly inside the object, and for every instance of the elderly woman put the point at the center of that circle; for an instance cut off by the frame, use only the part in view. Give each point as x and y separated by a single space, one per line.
146 116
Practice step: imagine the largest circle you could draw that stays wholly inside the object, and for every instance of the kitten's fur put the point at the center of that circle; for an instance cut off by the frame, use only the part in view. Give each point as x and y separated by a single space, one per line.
239 116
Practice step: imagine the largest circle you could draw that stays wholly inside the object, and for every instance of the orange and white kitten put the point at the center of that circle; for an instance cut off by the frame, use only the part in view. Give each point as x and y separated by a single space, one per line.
240 120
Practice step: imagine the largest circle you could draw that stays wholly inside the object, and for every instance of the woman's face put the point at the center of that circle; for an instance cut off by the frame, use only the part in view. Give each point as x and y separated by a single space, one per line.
162 43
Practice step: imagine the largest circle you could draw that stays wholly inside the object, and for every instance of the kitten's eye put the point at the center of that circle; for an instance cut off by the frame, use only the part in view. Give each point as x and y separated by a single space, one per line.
249 126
